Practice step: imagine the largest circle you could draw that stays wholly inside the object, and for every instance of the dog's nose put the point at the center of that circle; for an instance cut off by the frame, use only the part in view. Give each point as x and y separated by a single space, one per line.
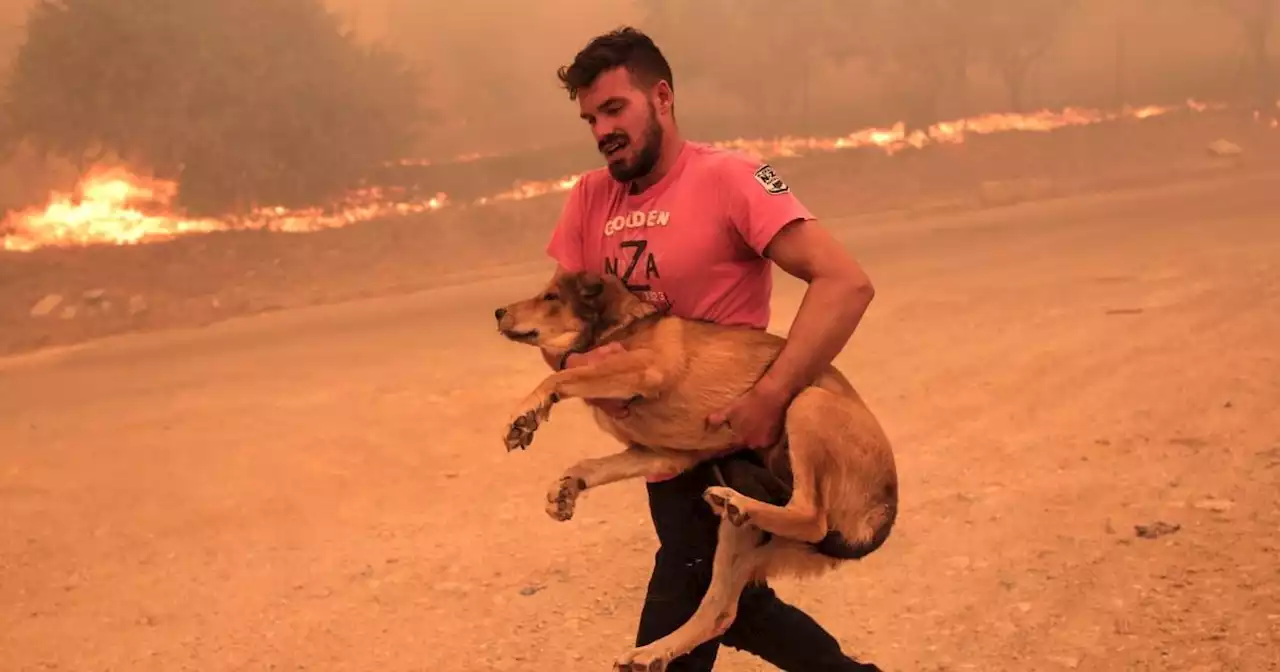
499 313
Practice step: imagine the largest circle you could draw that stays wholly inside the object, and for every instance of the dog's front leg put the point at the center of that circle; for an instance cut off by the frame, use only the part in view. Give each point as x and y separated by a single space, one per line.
624 376
634 462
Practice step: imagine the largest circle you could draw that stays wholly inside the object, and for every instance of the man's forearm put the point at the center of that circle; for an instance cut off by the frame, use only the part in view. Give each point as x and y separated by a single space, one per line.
829 314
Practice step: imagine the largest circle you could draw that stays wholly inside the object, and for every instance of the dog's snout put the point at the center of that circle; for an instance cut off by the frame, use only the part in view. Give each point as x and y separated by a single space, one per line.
499 313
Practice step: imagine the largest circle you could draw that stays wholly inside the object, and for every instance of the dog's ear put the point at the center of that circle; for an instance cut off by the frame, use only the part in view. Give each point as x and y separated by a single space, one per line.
590 287
601 303
585 293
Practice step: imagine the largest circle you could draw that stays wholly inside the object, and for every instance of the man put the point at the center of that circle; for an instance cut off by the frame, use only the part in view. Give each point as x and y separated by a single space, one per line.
695 230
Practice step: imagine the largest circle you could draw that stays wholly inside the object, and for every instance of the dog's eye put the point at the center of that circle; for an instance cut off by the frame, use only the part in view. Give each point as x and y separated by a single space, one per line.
550 296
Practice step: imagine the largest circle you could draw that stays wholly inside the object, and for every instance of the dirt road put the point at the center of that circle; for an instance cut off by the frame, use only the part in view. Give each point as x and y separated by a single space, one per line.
326 489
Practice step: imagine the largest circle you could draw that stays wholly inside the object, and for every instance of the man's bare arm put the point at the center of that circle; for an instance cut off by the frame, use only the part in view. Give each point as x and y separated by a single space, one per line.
838 295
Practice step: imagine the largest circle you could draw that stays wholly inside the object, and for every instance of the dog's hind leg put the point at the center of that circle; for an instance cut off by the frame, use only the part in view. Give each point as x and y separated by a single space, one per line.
736 564
804 516
634 462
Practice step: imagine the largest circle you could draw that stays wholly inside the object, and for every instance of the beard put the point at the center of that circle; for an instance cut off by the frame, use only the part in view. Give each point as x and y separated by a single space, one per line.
648 152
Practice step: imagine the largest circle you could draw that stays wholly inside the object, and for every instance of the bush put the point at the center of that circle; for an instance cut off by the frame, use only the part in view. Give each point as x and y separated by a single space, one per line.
244 102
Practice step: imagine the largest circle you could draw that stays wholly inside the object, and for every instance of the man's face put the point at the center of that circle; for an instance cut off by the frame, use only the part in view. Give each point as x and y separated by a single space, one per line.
624 123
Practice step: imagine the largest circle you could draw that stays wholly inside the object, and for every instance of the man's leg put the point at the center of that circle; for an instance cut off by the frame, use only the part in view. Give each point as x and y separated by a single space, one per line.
687 530
786 637
675 589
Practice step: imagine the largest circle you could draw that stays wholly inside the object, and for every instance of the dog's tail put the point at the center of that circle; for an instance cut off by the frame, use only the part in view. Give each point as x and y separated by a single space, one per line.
881 521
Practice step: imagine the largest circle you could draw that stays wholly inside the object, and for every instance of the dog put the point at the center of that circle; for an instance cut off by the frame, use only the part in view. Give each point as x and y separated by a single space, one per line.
825 494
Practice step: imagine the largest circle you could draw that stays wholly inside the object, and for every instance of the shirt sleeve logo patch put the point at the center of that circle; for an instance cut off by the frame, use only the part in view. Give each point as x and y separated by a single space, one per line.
769 179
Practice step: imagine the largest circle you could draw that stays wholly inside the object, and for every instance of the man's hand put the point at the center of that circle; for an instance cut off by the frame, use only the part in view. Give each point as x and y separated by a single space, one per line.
756 418
616 408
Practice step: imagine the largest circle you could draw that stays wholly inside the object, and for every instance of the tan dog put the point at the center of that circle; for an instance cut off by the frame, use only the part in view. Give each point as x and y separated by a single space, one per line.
842 497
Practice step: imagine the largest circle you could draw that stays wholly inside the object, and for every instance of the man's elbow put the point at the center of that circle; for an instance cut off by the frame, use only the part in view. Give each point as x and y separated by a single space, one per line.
857 285
863 288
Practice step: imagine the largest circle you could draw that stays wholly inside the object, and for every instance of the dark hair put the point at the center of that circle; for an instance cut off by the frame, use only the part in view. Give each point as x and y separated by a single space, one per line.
625 47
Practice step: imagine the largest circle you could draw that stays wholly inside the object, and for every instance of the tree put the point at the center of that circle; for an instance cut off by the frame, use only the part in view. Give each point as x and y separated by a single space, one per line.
1124 17
680 28
927 46
245 102
1257 19
486 80
780 46
1015 35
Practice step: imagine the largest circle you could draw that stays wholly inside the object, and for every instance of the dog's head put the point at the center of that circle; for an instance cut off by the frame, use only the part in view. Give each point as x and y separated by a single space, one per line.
573 313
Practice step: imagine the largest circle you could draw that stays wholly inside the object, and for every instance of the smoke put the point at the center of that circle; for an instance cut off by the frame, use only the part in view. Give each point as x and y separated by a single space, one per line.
752 68
749 67
758 69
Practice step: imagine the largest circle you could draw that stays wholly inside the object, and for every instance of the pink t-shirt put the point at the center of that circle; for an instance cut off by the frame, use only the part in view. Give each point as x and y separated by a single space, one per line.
694 242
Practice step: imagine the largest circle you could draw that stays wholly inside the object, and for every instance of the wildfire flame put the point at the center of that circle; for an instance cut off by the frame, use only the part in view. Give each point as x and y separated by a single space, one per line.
116 206
461 158
896 139
526 190
111 206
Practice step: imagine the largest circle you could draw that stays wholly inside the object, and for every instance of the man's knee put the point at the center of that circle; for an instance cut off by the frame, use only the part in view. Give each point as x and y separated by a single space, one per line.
676 587
681 573
683 521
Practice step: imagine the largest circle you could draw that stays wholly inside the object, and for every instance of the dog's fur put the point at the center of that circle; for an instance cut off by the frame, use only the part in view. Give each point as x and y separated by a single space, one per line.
834 455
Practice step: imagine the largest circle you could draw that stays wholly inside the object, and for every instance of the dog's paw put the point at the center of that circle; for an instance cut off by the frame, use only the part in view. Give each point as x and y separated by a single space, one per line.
643 660
563 496
520 428
727 503
519 433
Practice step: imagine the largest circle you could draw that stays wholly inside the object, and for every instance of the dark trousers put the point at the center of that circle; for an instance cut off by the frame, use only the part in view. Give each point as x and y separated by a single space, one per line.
767 627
